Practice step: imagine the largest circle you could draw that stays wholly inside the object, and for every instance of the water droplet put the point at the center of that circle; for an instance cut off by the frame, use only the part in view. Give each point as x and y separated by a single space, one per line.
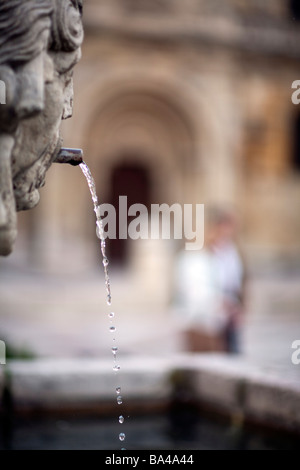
97 210
99 231
102 235
103 249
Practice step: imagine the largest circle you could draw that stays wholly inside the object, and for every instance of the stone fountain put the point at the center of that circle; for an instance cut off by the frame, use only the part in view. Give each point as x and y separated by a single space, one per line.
40 43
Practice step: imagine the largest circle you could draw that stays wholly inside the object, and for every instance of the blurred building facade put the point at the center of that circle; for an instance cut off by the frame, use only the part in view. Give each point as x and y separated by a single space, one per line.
180 101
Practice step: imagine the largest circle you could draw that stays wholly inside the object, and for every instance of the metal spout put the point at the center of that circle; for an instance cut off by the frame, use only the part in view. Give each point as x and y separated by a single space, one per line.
73 157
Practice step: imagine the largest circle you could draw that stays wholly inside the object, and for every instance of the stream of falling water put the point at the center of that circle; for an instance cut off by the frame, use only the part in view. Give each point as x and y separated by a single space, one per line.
100 234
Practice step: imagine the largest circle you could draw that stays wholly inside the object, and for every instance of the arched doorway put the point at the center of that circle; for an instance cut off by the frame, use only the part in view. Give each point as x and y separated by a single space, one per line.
142 145
129 179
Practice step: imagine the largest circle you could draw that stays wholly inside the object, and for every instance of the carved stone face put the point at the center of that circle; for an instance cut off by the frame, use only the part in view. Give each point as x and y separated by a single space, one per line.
36 65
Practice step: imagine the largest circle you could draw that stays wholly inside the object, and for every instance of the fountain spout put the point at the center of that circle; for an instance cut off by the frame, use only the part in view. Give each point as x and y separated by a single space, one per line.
73 157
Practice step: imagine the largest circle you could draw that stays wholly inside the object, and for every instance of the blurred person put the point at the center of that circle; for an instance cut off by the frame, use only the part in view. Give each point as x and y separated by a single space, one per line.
230 273
210 287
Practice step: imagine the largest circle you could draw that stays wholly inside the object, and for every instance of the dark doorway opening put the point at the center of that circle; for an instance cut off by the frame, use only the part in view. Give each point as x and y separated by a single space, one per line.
131 180
295 9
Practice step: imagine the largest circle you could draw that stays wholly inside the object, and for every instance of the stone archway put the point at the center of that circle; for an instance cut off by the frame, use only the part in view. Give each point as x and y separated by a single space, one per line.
146 124
141 131
185 126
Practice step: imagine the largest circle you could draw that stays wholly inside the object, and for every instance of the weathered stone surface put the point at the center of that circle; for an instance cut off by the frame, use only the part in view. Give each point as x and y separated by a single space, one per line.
39 46
263 394
217 379
63 383
272 400
225 383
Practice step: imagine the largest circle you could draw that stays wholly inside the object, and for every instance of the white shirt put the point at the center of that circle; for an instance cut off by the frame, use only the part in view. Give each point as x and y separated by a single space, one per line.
198 291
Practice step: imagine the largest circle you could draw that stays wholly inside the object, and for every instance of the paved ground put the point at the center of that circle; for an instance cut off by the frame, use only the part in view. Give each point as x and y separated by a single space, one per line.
65 315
